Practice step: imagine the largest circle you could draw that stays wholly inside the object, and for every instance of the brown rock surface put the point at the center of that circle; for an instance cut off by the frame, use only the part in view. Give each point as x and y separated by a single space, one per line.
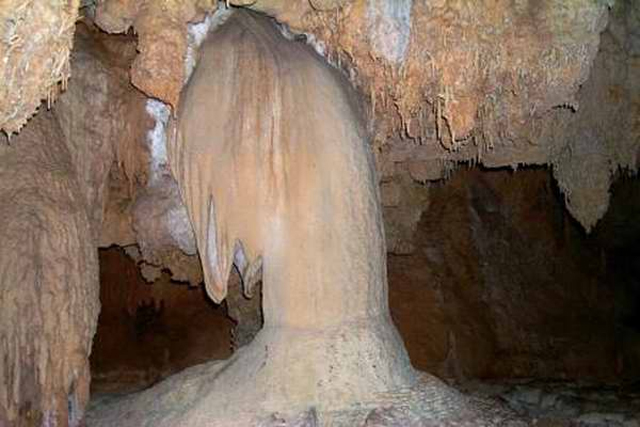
148 331
503 284
159 69
48 281
458 80
448 81
101 115
603 136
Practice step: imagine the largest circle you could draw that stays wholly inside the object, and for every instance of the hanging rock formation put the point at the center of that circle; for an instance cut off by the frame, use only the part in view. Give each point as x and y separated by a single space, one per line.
447 81
35 42
258 196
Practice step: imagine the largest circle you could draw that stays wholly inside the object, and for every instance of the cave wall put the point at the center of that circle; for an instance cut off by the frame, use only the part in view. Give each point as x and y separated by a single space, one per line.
48 281
35 42
618 235
602 136
148 331
496 281
53 193
502 283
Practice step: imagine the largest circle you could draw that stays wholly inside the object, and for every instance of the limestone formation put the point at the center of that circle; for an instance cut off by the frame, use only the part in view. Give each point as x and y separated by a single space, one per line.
328 344
48 281
35 42
442 83
53 192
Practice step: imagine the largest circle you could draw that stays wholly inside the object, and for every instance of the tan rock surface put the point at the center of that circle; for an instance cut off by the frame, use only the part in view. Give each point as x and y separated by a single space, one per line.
48 281
35 42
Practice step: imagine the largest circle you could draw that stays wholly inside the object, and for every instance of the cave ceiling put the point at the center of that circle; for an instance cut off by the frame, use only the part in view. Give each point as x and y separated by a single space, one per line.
444 82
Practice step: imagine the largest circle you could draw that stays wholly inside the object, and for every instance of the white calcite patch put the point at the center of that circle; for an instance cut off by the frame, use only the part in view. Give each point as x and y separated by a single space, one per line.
389 27
162 187
157 137
196 34
179 225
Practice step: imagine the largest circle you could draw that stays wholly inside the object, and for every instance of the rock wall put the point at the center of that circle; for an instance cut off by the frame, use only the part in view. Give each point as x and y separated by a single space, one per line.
159 70
101 115
148 331
496 281
48 281
53 194
618 234
503 283
447 82
603 136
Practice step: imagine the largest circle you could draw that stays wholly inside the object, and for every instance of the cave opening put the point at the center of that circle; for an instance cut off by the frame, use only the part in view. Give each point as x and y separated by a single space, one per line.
329 213
148 331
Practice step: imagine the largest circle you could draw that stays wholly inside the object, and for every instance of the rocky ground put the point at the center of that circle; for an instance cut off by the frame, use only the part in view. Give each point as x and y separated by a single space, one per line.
564 404
544 403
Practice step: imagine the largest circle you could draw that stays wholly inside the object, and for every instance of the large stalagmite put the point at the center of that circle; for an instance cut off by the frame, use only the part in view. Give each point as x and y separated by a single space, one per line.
271 156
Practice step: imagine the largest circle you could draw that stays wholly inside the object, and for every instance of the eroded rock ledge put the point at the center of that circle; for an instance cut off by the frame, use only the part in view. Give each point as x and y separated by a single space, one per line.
448 81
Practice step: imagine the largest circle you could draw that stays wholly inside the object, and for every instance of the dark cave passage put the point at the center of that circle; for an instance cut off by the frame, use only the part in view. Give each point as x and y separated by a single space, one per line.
148 331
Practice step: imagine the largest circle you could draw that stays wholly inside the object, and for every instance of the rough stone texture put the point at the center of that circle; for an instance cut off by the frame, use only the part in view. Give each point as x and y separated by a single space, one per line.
161 27
245 311
512 286
327 341
403 201
35 40
563 403
99 113
117 224
480 73
497 85
603 136
471 77
48 281
455 80
92 122
478 297
148 331
158 213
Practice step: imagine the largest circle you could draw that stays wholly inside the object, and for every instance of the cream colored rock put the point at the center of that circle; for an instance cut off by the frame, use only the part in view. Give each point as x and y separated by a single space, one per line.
272 160
35 40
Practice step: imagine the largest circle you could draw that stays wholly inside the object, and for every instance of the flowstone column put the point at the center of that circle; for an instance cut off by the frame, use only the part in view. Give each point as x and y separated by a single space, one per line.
273 163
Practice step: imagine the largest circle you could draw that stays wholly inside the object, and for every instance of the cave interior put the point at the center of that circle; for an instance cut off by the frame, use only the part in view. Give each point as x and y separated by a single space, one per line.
486 229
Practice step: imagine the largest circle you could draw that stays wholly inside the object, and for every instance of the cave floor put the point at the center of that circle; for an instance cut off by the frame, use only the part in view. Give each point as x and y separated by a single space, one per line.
564 403
545 403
